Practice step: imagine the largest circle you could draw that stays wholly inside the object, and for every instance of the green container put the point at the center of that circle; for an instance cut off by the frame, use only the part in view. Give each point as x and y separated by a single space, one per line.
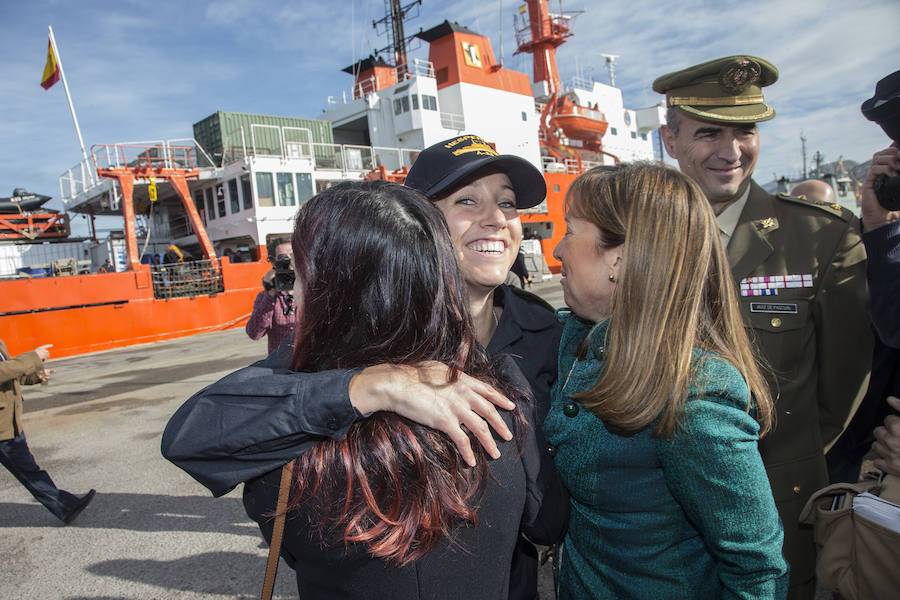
219 135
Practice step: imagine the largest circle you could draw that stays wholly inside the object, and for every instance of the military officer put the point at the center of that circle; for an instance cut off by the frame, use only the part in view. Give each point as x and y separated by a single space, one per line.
799 265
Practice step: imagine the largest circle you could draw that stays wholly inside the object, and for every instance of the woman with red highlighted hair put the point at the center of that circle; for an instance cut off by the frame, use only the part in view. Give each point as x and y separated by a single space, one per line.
392 510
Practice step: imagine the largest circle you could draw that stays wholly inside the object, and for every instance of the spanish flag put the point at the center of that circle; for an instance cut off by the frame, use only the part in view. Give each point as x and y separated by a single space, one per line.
523 9
51 69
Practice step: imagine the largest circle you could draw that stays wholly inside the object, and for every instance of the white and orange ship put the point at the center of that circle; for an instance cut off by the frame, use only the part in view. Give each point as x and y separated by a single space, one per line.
213 202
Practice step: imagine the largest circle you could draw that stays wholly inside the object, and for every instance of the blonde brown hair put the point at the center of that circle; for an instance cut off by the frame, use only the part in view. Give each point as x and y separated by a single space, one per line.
674 293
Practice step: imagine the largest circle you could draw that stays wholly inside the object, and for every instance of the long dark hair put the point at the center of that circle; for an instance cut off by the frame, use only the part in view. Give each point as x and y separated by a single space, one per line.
378 282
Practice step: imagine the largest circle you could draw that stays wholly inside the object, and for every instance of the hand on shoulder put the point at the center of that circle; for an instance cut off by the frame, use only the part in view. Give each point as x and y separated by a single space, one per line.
423 394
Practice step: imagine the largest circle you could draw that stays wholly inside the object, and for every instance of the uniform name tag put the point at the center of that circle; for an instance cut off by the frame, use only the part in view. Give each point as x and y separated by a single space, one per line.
770 307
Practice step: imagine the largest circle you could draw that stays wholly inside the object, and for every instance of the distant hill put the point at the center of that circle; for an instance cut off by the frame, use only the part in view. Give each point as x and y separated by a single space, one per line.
853 169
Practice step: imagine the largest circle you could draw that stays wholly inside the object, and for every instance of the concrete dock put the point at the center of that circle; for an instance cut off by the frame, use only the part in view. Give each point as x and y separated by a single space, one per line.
152 532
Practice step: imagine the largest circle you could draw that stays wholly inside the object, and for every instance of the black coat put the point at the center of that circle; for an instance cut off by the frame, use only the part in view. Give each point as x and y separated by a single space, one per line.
474 564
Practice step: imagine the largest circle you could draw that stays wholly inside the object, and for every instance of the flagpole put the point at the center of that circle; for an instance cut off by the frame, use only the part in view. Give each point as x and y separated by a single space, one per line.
62 75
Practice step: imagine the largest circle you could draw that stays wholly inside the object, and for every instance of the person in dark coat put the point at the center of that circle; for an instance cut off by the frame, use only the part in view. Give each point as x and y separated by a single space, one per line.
28 368
392 508
878 422
479 192
520 270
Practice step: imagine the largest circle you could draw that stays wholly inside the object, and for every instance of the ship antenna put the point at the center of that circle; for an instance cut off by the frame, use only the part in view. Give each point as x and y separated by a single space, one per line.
611 67
393 25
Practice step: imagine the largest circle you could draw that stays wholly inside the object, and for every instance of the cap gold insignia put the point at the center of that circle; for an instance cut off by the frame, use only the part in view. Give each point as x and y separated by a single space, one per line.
836 206
768 223
739 75
479 147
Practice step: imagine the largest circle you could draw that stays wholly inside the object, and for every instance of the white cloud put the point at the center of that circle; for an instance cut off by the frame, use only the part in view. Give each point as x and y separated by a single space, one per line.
148 71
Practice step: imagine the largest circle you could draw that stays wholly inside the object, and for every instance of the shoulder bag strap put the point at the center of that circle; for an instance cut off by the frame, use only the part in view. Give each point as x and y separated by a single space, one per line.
275 547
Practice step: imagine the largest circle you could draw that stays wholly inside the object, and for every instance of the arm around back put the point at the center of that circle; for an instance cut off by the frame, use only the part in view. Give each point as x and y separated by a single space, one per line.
255 420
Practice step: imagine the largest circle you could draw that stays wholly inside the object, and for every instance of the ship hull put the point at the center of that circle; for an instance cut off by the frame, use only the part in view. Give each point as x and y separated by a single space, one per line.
88 313
553 221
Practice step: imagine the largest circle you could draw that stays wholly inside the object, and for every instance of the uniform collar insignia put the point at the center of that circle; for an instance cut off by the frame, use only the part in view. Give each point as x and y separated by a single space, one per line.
767 223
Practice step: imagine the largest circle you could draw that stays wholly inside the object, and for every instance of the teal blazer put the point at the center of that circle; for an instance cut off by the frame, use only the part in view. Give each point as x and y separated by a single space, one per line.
688 518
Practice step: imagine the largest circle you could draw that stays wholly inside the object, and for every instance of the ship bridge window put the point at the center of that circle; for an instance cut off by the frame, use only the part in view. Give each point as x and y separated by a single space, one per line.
247 192
210 205
644 136
398 108
220 199
429 102
233 196
524 116
415 101
304 187
405 102
265 192
285 189
613 131
634 135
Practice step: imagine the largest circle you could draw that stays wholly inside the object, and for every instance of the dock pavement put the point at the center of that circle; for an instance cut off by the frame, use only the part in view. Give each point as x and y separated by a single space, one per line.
151 532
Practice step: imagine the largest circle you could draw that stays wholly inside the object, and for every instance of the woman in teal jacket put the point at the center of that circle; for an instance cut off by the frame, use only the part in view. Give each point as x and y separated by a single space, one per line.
658 407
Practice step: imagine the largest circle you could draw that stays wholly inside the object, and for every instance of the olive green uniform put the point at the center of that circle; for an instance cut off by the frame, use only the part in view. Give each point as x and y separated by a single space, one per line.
800 267
814 336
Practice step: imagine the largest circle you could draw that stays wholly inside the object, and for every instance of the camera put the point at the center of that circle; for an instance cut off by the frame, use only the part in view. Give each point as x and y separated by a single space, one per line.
284 274
884 109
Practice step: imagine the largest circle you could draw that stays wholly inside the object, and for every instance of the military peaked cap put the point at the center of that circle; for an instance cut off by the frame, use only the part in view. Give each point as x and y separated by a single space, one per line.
724 90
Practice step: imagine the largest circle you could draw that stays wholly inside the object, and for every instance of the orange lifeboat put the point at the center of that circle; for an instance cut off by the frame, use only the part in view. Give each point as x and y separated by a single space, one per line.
579 122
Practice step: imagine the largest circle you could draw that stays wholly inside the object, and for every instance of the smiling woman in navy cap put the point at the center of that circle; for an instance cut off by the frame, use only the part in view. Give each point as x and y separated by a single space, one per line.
479 192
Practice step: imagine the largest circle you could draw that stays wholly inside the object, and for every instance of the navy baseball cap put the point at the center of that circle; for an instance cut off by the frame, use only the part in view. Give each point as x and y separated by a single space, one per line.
884 107
443 166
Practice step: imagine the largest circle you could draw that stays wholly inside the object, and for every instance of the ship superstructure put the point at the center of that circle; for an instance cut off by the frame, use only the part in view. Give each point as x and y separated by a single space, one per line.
199 212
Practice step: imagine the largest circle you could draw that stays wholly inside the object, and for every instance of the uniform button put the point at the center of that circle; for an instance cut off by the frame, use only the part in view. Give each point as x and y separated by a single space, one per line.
570 409
551 450
787 412
332 424
797 489
776 322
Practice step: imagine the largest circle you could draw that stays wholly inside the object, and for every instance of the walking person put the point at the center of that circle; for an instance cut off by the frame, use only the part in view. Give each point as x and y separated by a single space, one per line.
28 368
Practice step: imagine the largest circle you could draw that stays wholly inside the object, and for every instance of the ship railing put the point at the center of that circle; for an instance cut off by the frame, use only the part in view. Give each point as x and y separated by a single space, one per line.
453 121
280 141
185 279
415 68
568 165
77 180
150 155
348 157
578 83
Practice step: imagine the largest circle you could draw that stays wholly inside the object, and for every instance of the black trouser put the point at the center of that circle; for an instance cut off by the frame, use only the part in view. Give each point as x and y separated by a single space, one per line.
17 458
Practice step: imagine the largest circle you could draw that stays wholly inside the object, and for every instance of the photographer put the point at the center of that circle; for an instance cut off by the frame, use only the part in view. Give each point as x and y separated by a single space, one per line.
273 309
882 240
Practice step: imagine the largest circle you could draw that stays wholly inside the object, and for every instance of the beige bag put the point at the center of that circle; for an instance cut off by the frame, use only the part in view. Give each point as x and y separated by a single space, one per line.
857 558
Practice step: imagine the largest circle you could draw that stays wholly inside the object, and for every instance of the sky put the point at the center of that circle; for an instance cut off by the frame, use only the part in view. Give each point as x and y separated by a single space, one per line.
149 70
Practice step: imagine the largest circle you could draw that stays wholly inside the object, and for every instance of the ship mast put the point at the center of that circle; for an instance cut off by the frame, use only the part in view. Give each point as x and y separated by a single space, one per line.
393 24
548 32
